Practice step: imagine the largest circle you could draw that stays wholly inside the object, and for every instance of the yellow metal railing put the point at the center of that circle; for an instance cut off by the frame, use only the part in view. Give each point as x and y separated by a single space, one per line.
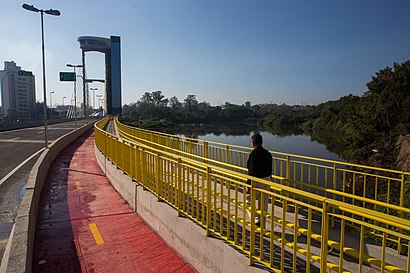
307 173
304 231
332 179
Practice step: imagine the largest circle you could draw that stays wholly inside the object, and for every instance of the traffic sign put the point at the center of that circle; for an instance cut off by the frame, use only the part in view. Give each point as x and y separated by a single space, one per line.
25 73
67 76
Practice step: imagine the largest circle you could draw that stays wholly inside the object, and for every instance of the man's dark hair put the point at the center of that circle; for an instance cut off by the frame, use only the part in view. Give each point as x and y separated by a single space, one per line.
257 139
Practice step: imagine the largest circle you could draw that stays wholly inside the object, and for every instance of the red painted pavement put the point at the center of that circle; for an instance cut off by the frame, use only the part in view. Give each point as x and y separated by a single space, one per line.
77 194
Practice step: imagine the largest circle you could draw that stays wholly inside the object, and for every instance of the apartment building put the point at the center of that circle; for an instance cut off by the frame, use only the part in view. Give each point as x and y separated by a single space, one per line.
18 92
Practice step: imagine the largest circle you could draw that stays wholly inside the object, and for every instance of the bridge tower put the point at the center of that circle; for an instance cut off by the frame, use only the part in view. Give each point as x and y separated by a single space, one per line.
111 47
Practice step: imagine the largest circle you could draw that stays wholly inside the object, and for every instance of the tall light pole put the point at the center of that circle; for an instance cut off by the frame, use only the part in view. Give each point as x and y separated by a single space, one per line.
101 104
99 101
51 106
49 12
75 89
93 89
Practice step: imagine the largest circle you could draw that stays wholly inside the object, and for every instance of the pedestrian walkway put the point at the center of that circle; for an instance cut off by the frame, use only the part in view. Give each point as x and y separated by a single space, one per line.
85 226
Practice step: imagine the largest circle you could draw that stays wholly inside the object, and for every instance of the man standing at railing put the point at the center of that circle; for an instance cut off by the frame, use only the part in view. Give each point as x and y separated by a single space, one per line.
259 165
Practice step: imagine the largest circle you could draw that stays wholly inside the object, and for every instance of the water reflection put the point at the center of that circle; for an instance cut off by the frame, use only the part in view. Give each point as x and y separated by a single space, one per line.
291 141
302 173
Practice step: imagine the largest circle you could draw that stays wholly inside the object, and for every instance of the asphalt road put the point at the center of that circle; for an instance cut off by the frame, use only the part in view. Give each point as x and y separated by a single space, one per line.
16 147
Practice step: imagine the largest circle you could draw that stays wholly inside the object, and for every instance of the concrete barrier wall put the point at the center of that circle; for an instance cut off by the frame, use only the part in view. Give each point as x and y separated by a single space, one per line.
19 250
122 183
205 254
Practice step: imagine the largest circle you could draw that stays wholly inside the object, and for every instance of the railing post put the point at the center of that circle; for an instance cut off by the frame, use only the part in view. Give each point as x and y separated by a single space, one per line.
288 167
121 143
157 176
334 188
205 149
132 160
178 145
138 164
227 155
402 192
324 233
117 152
190 147
334 178
105 145
253 227
208 201
179 189
143 167
167 140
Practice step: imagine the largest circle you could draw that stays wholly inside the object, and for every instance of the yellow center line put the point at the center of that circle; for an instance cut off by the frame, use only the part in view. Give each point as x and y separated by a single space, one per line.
78 185
96 233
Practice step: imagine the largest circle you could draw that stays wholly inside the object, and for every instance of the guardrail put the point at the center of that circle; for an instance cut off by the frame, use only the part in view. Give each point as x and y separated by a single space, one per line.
373 188
311 174
304 231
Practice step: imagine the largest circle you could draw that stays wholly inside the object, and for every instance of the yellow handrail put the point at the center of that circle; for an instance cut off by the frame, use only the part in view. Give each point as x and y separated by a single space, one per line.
299 223
315 175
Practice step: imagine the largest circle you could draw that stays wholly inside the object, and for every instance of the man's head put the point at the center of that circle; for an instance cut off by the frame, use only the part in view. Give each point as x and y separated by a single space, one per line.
256 140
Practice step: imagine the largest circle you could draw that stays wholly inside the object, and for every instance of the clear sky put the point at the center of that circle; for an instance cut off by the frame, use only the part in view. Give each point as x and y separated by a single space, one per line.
259 51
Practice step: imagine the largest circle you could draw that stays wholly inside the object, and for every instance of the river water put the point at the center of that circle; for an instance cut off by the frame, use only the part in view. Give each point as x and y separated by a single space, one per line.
297 144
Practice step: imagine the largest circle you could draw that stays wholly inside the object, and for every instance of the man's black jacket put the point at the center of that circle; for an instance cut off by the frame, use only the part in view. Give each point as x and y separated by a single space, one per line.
259 163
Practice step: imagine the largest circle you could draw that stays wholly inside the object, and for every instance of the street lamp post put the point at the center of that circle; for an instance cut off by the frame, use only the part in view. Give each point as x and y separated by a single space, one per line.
101 105
49 12
93 89
51 106
99 101
75 90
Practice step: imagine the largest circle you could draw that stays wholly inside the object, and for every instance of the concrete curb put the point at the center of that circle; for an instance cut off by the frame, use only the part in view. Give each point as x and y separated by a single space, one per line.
205 254
19 249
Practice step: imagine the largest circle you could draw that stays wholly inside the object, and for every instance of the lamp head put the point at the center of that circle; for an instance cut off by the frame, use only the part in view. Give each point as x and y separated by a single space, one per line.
30 8
52 12
34 9
71 65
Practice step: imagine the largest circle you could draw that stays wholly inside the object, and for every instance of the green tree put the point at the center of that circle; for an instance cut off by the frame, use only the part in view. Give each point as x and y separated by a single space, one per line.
190 102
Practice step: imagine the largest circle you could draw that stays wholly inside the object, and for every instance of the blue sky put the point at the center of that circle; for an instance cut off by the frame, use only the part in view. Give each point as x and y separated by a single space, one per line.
259 51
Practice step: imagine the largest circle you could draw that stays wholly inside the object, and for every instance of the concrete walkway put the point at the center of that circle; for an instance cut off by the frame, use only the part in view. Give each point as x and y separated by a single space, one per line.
85 226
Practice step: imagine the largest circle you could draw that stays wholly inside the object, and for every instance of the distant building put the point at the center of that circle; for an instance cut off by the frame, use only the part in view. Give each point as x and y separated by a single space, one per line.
18 92
111 47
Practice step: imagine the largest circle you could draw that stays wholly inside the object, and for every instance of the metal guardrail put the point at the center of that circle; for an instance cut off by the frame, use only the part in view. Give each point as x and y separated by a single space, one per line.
304 231
311 174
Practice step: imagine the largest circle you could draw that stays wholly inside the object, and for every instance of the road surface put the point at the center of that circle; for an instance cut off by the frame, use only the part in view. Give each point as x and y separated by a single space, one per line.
19 150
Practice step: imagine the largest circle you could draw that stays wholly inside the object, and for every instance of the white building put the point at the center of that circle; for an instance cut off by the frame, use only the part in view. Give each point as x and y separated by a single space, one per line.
18 92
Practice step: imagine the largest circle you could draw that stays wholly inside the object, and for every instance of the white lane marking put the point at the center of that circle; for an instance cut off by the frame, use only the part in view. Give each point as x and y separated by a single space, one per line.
40 132
14 139
19 166
62 128
22 141
19 130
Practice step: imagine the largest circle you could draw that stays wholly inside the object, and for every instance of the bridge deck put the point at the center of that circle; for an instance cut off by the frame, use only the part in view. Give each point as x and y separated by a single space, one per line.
85 226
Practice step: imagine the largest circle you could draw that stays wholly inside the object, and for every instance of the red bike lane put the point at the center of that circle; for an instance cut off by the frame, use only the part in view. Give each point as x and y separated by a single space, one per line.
85 226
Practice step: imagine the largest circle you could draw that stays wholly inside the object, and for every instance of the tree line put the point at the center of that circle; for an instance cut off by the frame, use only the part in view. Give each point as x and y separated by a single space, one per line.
367 126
